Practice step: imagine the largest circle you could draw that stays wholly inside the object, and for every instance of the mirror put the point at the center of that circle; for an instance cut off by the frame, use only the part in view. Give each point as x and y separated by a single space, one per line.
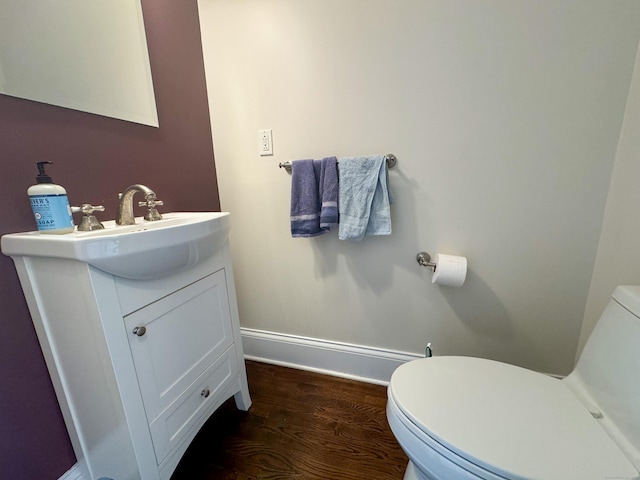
85 55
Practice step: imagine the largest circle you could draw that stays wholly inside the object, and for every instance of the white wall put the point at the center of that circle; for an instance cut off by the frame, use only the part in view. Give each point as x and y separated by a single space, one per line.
504 116
618 259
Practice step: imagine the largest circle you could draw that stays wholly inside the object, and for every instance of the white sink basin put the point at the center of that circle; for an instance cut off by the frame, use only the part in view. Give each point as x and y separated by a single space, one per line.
143 251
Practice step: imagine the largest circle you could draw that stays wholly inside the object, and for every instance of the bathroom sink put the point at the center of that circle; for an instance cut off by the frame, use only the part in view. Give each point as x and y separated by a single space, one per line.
144 251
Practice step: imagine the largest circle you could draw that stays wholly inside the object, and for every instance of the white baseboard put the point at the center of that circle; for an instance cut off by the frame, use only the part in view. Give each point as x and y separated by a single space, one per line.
366 364
77 472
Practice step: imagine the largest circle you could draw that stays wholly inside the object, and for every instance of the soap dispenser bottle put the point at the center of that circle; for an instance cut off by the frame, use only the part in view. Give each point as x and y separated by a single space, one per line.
50 204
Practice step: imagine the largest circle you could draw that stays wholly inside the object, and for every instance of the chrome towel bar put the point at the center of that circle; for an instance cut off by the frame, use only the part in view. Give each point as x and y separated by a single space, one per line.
391 159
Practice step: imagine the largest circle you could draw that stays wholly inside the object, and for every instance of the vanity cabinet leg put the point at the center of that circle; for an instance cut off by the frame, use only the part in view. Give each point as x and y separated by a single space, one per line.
242 398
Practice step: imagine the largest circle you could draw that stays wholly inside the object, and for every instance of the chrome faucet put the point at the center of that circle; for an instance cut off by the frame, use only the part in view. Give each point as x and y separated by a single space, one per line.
124 216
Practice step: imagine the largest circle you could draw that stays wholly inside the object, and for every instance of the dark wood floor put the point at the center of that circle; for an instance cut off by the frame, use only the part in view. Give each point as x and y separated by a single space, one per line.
301 425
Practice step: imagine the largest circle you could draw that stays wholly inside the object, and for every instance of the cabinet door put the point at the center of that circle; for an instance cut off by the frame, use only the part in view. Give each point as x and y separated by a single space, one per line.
175 339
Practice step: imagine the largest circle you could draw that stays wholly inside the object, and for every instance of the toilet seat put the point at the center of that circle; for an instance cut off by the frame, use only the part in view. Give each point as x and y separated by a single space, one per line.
497 421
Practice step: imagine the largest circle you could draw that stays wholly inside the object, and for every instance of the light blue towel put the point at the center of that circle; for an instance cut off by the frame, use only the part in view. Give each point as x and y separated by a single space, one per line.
364 199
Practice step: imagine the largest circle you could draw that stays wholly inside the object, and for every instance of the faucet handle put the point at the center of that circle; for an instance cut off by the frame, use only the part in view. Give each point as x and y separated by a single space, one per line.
89 222
151 203
87 209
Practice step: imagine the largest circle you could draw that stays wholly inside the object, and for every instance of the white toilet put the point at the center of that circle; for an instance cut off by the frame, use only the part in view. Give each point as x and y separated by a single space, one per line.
471 418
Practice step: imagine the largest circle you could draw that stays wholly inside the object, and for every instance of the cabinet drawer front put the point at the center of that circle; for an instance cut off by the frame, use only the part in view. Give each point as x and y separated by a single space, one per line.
175 339
204 396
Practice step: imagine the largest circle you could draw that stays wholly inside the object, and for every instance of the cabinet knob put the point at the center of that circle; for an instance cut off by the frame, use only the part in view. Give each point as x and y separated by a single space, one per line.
205 393
140 331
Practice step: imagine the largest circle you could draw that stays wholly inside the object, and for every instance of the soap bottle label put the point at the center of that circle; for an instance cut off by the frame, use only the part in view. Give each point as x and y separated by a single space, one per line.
52 212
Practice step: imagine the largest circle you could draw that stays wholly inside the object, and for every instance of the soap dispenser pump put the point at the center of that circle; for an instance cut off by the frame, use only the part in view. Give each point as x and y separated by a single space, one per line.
50 204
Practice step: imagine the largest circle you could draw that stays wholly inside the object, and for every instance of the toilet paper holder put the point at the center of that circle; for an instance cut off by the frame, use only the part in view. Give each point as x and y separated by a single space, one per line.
424 260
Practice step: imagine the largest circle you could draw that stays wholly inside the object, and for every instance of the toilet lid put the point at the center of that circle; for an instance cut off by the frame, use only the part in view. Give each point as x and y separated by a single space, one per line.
513 422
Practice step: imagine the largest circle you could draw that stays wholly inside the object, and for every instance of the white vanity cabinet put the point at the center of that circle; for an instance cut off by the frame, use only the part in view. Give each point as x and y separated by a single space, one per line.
138 365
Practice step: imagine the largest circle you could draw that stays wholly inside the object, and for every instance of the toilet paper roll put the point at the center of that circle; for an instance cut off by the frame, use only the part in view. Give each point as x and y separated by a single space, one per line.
450 270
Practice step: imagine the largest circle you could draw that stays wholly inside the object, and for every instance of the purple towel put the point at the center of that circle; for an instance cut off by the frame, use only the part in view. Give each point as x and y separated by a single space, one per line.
328 192
314 197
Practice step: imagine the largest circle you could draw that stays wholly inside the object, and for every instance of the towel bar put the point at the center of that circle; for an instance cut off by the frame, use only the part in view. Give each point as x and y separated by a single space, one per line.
391 159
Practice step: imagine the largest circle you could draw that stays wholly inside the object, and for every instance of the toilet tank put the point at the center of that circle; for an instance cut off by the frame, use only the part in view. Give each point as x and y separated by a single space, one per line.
607 375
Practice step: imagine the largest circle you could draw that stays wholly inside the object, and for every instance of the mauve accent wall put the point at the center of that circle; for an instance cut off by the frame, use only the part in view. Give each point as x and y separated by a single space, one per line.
94 159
